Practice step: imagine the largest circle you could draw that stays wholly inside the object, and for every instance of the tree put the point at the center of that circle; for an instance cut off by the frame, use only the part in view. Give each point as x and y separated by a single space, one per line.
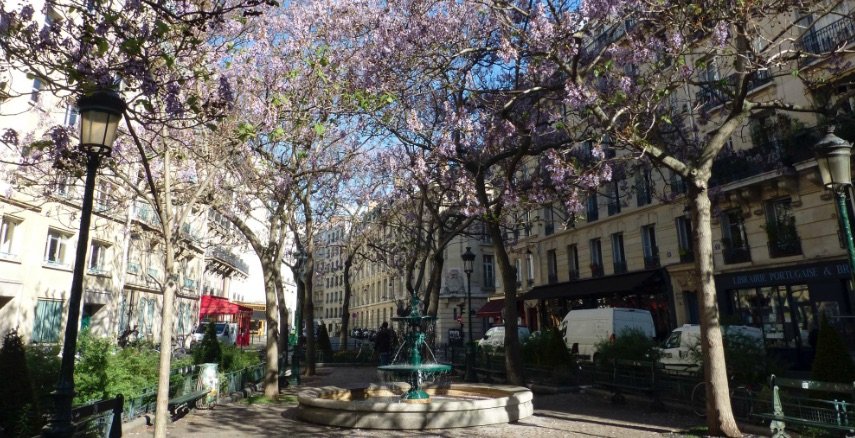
832 362
19 406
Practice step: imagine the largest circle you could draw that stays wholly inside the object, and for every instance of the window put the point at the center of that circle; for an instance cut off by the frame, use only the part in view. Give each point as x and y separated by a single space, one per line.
98 258
781 229
63 187
56 248
8 242
648 247
596 258
643 187
102 196
529 260
548 221
48 321
618 256
614 198
552 266
36 91
573 261
678 185
734 241
592 207
145 316
71 115
518 272
489 276
684 239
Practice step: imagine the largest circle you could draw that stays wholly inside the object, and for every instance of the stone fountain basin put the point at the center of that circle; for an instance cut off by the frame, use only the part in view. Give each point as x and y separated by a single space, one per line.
377 407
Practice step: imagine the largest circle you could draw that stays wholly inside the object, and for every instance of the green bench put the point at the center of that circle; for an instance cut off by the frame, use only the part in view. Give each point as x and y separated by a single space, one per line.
184 393
628 376
811 403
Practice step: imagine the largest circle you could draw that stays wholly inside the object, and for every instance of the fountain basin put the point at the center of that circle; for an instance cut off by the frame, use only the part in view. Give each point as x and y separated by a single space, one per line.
379 406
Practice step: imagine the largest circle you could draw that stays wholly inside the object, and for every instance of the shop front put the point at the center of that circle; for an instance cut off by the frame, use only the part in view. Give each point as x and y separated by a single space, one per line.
649 290
787 302
222 310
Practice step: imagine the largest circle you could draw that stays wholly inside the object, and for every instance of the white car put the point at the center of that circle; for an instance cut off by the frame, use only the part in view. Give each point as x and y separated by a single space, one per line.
495 336
226 333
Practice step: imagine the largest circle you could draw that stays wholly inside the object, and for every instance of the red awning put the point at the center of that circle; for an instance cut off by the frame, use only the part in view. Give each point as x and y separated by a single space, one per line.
492 308
211 305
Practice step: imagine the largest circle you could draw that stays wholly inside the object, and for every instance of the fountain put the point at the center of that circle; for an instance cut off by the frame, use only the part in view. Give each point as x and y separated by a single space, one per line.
423 400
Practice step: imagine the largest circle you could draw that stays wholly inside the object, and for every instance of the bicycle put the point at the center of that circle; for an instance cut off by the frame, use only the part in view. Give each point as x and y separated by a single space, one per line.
741 400
125 338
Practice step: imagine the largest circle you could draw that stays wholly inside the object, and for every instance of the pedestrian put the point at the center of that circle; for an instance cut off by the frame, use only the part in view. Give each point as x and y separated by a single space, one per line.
383 344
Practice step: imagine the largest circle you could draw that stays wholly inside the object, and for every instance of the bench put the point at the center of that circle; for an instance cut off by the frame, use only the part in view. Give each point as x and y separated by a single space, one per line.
622 376
809 403
185 394
91 419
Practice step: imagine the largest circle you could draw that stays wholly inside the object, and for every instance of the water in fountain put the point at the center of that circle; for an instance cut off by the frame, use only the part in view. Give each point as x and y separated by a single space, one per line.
408 362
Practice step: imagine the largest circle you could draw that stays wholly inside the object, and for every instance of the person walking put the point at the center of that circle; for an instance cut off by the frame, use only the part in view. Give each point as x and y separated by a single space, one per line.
383 344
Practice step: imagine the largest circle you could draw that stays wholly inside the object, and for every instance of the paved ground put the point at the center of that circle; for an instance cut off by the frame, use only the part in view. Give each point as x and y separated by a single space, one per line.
559 415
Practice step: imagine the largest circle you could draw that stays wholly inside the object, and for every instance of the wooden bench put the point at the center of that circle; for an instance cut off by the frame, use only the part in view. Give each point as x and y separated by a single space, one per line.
88 419
807 403
621 376
185 395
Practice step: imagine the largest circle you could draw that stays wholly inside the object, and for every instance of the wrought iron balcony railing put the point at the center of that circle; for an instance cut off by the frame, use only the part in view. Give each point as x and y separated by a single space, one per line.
826 39
619 267
736 255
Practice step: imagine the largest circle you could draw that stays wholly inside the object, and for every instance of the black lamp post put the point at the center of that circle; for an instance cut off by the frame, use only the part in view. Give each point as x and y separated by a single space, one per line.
100 114
298 321
833 156
468 260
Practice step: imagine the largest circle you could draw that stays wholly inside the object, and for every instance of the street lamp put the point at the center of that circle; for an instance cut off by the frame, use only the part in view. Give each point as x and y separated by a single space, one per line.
100 114
833 157
468 260
298 320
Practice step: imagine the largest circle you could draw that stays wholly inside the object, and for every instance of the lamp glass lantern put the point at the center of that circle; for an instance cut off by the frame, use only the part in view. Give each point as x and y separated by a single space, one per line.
100 114
468 260
833 158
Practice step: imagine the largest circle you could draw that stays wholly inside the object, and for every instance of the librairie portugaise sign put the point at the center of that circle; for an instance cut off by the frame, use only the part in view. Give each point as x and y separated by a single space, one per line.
789 275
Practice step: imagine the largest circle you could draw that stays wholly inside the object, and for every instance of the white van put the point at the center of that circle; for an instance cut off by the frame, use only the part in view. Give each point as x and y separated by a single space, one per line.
676 353
584 328
226 333
495 336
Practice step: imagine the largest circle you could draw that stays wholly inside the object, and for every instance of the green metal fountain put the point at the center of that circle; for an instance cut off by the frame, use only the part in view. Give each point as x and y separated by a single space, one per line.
408 363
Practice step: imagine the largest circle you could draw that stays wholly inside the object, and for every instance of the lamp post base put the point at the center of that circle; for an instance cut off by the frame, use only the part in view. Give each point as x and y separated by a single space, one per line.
471 375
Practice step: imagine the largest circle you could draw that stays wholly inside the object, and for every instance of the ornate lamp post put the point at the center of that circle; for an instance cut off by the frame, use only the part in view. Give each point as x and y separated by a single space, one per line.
100 114
833 156
468 260
298 321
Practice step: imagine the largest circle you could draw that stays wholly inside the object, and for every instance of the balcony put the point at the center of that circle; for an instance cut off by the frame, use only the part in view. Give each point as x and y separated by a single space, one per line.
613 207
736 255
619 267
188 233
596 270
826 39
651 261
687 255
549 228
782 149
224 261
145 214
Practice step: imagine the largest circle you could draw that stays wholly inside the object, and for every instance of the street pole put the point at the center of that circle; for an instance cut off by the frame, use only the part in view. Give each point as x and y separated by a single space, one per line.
468 261
840 193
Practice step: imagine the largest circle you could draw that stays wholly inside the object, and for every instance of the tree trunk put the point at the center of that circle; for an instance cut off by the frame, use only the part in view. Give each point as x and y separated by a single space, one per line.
283 317
720 419
513 358
434 284
309 306
345 305
162 408
271 313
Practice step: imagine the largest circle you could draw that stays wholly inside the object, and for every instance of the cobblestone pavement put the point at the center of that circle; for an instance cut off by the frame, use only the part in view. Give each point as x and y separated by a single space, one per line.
558 415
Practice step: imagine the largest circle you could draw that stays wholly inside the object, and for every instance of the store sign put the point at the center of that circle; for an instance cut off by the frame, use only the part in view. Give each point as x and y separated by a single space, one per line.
795 274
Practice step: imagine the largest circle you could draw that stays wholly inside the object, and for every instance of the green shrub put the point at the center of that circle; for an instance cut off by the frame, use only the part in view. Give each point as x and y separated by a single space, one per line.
744 355
17 400
209 350
629 344
233 359
90 371
832 362
547 349
324 345
43 363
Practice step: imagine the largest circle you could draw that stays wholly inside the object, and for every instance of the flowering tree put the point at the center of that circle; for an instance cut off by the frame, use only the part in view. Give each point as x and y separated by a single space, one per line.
673 82
158 55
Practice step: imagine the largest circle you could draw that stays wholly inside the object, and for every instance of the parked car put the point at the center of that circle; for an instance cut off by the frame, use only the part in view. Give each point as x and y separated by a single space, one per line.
495 336
583 329
226 333
677 351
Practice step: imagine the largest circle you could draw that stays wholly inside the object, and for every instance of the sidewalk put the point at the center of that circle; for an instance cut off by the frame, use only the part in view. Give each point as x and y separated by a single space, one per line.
556 415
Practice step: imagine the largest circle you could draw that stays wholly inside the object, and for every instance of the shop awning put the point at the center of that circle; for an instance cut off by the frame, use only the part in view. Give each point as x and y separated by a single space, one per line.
611 284
211 305
492 308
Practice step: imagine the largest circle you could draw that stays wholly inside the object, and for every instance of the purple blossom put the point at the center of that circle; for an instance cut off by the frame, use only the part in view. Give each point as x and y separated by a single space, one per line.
721 33
226 92
10 136
625 84
173 103
27 13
